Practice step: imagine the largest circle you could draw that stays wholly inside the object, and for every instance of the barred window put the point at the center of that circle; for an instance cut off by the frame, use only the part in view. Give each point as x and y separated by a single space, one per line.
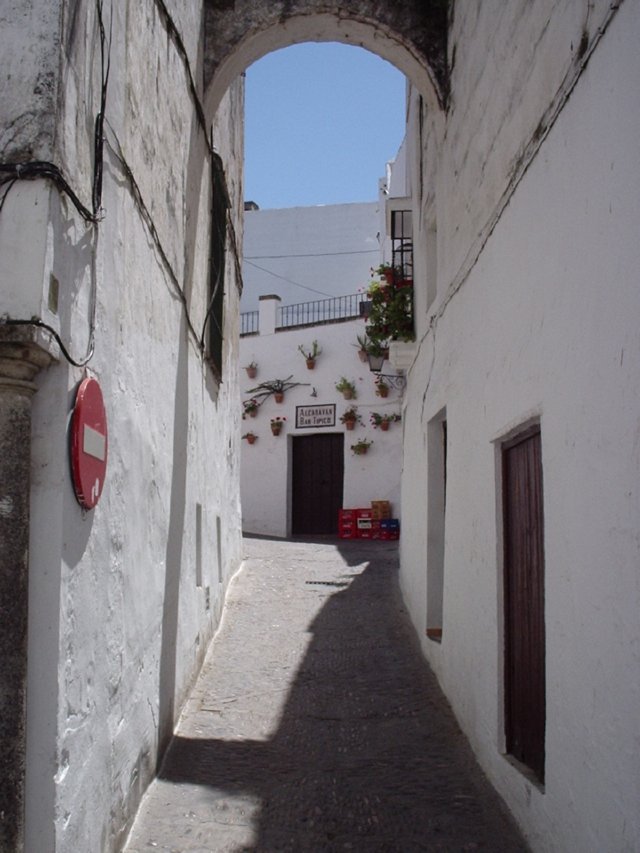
402 241
215 313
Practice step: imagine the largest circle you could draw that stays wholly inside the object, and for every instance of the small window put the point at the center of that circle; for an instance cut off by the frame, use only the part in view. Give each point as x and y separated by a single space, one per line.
402 241
215 311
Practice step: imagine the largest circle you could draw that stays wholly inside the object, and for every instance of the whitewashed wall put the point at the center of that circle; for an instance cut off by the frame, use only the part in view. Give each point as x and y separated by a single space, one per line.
124 598
307 253
265 471
545 325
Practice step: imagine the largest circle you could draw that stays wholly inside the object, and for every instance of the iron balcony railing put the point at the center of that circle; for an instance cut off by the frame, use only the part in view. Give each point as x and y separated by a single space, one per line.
320 311
308 313
249 322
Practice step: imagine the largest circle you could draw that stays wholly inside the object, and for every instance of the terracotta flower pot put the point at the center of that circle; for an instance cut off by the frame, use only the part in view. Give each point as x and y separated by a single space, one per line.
253 413
251 439
347 394
363 354
382 391
278 396
311 363
361 452
349 424
276 428
384 425
252 372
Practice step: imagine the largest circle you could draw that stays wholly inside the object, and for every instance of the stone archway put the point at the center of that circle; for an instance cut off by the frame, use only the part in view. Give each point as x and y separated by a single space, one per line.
411 35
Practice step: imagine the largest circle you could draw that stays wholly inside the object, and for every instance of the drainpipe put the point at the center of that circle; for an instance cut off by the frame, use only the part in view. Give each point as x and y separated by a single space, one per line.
20 361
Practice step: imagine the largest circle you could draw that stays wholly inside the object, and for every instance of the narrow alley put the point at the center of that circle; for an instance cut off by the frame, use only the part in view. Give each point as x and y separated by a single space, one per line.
316 724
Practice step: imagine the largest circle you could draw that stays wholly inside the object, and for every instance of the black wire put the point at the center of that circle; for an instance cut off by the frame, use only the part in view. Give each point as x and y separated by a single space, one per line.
147 218
43 169
9 182
98 138
173 33
65 352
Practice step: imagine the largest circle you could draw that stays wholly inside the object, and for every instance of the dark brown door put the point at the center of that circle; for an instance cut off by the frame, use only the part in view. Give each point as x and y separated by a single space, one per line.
524 601
316 493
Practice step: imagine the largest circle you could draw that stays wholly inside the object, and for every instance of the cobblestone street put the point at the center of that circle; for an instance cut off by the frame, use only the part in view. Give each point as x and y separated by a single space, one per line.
316 724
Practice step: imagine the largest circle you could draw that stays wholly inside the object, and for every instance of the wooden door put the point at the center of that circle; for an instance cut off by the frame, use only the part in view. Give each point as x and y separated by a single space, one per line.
524 601
317 479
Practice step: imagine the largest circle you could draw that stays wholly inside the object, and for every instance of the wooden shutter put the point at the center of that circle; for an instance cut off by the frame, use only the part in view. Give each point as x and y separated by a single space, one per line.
525 712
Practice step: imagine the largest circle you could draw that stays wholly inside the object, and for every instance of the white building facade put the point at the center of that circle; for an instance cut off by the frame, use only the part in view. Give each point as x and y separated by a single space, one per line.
520 542
295 483
124 597
520 510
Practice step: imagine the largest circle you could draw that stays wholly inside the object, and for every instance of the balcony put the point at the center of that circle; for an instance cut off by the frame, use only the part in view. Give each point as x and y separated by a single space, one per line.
332 310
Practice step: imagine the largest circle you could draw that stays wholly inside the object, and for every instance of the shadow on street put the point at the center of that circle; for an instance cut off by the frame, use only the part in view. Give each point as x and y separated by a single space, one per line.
367 755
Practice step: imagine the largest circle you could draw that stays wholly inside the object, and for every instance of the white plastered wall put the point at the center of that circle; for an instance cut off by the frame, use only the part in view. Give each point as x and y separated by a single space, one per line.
265 473
124 598
544 326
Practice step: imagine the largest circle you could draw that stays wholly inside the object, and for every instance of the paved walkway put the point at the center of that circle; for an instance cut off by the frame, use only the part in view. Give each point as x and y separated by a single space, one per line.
316 725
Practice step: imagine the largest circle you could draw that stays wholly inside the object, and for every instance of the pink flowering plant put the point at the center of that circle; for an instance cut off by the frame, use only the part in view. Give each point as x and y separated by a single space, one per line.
391 311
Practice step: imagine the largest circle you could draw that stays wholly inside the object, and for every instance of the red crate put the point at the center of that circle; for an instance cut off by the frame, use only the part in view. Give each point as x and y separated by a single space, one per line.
364 513
347 533
346 514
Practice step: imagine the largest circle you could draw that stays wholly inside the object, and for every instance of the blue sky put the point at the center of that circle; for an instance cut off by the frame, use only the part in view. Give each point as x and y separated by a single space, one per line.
321 122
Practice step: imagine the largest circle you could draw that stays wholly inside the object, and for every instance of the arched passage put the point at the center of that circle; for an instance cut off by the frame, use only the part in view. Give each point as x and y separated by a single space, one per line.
413 37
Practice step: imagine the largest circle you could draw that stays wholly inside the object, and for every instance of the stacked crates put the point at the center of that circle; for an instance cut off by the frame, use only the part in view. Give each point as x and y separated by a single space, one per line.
389 528
368 523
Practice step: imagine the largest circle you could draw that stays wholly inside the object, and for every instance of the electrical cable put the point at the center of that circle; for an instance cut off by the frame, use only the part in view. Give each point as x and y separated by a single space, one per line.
42 325
314 255
38 169
289 280
147 219
172 32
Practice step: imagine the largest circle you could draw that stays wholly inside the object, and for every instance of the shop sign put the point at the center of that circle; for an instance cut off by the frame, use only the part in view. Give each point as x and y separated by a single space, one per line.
313 417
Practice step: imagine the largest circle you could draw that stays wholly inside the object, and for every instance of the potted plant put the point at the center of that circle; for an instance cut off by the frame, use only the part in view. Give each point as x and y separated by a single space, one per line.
252 369
276 425
277 387
382 421
350 417
391 313
310 355
363 346
251 437
377 351
250 407
346 388
382 389
361 447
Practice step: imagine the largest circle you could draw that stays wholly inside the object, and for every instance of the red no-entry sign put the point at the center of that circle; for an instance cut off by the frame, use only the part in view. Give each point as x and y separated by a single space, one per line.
88 444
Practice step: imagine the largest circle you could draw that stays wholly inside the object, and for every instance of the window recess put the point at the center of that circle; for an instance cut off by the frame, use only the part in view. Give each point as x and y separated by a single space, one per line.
214 321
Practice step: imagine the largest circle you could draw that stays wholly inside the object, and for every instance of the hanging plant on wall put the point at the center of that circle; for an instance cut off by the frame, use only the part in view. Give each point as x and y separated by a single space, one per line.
350 417
361 447
310 355
346 388
382 389
251 437
275 387
362 345
252 369
250 408
277 424
382 422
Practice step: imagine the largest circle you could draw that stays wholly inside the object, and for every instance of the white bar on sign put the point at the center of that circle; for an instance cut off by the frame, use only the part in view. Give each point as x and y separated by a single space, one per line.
94 443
